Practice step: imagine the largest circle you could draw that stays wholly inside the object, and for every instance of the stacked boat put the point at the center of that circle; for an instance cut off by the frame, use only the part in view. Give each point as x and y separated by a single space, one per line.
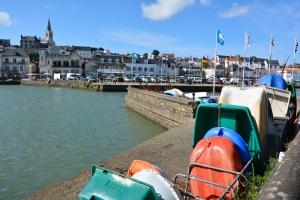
231 138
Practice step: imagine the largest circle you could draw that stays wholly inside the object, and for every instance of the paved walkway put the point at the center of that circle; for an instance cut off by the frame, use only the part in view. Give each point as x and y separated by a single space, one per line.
171 151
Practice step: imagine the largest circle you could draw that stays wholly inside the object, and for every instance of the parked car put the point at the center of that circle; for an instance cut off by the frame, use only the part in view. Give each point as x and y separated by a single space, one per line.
181 80
234 81
211 81
127 79
172 80
138 80
152 79
162 80
90 78
225 81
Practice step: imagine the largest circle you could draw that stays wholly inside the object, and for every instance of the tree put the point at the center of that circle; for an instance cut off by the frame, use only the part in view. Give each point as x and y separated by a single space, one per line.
203 75
155 53
94 68
204 65
121 65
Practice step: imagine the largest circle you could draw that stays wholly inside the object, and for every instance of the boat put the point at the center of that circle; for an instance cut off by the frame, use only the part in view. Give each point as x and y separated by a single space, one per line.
162 186
196 95
238 141
155 176
211 163
273 80
234 117
107 184
138 165
174 92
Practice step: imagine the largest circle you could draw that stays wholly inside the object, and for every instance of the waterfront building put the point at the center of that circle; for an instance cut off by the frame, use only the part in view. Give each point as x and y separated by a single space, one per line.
15 63
3 44
59 59
31 44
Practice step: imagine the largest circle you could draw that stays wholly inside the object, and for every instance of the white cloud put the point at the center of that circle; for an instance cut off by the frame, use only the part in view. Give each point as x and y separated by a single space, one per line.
5 19
164 9
205 2
136 37
235 11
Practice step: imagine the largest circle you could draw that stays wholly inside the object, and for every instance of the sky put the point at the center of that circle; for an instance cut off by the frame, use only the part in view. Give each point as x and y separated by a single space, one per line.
182 27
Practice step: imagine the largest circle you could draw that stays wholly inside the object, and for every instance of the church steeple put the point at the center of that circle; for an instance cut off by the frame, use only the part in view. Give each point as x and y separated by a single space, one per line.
48 26
49 34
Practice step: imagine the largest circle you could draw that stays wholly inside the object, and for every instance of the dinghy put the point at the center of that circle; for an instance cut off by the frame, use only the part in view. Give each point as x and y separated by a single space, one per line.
211 163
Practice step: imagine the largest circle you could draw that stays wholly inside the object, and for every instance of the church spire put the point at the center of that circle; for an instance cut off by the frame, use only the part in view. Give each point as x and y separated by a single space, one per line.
49 25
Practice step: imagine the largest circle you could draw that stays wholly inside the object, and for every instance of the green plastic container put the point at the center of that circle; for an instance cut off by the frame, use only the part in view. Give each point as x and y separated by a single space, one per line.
234 117
106 184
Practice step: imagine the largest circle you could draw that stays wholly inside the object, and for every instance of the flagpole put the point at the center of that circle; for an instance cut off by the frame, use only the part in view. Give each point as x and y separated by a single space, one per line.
215 62
244 59
294 59
131 67
270 54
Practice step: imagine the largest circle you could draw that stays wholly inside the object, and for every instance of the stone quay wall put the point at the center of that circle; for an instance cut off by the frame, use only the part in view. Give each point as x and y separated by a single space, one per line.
164 110
119 86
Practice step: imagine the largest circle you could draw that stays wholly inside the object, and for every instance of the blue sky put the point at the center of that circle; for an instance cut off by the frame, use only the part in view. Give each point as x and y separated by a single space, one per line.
182 27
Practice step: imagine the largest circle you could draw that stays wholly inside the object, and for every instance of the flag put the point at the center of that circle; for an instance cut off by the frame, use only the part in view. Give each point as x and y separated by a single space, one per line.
204 59
248 41
296 46
220 38
272 41
135 56
227 60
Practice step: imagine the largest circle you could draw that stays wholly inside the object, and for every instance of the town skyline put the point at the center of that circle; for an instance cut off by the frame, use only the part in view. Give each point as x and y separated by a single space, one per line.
132 27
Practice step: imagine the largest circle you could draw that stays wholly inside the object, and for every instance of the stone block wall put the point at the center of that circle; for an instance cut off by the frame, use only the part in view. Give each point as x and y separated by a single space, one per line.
165 110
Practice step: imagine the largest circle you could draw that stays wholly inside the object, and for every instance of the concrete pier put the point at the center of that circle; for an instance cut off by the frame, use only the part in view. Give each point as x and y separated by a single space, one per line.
171 151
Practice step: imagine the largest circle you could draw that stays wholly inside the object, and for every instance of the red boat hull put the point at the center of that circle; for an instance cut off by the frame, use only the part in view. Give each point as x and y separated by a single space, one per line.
216 152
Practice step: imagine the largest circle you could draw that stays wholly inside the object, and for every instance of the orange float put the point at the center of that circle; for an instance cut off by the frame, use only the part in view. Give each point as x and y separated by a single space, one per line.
215 152
138 165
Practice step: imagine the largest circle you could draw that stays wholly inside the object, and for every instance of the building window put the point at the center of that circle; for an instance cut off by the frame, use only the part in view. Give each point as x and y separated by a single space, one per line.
109 60
21 68
6 60
102 60
14 60
66 63
140 69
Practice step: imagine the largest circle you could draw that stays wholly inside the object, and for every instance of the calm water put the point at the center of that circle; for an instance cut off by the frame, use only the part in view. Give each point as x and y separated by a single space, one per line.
49 134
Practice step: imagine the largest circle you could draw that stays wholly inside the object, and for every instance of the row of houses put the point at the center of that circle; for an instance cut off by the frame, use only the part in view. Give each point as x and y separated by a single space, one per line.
40 56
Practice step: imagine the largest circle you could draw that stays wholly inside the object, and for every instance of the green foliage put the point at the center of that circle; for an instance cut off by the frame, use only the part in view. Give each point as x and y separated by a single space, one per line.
257 181
203 75
155 53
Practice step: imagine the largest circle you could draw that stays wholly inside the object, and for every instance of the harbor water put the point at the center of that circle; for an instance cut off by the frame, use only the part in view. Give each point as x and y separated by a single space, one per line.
50 134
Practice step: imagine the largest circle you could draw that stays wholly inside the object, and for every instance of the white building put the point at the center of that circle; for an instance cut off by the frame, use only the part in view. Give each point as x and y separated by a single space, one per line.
15 62
58 59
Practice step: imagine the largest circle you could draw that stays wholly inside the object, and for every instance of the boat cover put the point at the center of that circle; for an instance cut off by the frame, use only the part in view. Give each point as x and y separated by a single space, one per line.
256 99
273 80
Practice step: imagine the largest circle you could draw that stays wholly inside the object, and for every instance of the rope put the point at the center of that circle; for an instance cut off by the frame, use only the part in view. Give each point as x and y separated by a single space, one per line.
219 115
